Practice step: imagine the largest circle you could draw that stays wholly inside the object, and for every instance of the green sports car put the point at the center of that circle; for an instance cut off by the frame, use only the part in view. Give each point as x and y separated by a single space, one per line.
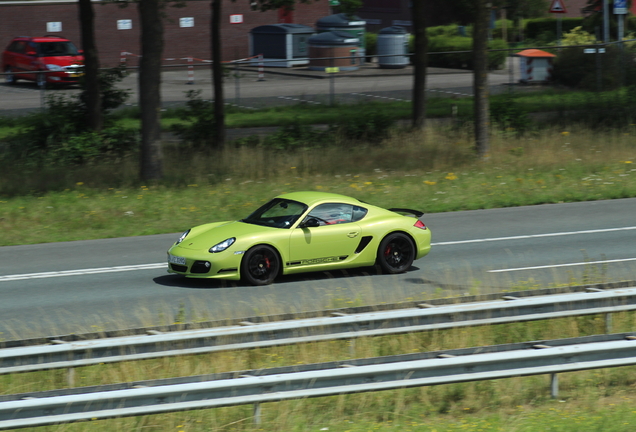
302 232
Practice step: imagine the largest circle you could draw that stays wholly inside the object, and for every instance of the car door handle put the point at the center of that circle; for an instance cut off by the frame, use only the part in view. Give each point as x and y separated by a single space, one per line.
353 234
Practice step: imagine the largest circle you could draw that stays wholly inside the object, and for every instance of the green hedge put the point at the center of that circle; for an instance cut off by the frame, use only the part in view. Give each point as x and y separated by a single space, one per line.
545 29
463 60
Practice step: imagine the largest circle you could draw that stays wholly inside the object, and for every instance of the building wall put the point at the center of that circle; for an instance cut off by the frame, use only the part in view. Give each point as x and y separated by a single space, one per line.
31 18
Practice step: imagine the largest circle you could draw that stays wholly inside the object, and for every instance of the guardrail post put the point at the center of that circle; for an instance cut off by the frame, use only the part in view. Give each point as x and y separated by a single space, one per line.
257 413
608 323
70 377
554 386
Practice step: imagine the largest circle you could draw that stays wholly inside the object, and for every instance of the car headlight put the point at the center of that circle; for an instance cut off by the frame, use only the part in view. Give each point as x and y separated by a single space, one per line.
182 237
220 247
54 67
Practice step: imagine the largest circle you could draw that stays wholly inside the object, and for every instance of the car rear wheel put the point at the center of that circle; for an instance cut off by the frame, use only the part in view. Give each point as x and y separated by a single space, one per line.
396 253
260 265
9 78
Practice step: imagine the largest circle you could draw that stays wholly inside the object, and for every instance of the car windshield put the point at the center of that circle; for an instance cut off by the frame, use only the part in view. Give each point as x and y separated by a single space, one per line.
54 49
278 213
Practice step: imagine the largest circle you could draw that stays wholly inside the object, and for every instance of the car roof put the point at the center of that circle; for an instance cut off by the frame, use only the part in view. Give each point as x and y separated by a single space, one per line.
312 197
42 38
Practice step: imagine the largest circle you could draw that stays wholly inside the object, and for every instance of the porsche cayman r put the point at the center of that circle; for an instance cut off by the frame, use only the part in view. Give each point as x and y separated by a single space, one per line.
302 232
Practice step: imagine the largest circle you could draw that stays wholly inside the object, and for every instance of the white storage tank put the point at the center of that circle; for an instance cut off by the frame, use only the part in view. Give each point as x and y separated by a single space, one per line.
393 47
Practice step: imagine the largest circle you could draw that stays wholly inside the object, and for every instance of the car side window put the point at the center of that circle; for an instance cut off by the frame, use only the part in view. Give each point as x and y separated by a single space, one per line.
17 47
337 213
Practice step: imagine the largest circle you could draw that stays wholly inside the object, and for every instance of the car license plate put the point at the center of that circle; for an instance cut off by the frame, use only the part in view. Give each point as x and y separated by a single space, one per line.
176 260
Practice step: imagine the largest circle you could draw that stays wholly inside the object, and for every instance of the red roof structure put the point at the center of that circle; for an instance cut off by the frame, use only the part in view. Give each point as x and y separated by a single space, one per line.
534 53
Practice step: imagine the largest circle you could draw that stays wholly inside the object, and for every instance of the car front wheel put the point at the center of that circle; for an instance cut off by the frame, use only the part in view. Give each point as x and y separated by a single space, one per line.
9 78
260 265
396 253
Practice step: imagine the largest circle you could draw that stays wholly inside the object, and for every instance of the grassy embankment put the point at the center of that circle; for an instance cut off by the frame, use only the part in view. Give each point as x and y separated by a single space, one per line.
597 400
434 171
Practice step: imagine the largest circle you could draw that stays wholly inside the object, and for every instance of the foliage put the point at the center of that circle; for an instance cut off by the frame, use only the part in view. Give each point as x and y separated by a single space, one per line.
509 115
367 125
60 136
295 136
349 7
463 58
200 131
371 43
543 30
578 36
574 68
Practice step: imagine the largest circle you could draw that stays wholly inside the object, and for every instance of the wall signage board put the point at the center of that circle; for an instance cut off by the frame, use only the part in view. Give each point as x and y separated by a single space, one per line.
124 24
186 22
53 27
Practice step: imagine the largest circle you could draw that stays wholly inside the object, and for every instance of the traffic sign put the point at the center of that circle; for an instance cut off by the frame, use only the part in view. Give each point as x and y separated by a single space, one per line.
558 6
620 7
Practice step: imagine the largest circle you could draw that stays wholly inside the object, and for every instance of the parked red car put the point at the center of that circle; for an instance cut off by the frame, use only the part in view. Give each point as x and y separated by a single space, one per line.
47 59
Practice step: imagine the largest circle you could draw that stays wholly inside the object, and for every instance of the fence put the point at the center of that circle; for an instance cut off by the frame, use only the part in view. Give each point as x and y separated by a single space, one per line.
385 373
596 67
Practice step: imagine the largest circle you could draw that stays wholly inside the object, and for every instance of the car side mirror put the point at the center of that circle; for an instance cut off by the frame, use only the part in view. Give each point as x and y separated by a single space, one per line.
310 223
31 53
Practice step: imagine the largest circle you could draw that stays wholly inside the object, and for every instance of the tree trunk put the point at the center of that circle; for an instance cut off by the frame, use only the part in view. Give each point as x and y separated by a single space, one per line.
420 62
217 74
92 93
480 77
150 88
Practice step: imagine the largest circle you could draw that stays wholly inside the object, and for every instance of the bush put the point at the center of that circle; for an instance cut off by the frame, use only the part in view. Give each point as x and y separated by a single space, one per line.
463 60
543 30
574 68
366 126
201 129
60 136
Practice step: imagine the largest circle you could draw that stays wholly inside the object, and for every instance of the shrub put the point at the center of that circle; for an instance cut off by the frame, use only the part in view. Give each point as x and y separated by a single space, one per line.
60 136
543 30
463 58
201 129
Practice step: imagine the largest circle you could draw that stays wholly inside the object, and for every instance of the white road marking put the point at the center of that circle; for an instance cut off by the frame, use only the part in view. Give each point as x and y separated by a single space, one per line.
89 271
533 236
562 265
162 265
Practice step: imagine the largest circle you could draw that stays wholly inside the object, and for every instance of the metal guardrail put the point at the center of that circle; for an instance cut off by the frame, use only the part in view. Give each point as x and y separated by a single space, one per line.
535 358
340 326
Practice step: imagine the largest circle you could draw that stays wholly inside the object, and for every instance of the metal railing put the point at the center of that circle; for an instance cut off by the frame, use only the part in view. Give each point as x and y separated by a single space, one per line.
248 334
366 375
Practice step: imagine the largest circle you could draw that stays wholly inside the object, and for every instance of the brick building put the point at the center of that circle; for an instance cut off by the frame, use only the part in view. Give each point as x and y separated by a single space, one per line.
186 29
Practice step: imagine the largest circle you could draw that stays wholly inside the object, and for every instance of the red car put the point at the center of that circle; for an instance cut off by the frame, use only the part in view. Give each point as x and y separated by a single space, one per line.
47 59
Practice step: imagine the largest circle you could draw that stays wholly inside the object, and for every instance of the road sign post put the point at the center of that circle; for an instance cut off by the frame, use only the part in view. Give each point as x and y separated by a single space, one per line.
558 7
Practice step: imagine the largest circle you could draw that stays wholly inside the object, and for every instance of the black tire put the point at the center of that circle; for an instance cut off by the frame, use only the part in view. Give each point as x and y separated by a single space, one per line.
396 253
9 78
260 265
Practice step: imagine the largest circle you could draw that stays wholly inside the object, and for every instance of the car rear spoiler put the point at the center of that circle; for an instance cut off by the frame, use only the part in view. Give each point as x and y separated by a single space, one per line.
416 213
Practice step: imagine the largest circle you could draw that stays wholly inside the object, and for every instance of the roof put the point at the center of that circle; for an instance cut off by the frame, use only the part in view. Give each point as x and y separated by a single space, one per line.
312 197
534 53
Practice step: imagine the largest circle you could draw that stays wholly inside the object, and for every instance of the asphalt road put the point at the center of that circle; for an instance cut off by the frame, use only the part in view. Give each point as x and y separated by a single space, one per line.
122 283
281 86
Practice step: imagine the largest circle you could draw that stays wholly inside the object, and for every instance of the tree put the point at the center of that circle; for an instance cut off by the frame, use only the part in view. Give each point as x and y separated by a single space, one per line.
217 66
150 14
217 74
480 76
420 61
92 93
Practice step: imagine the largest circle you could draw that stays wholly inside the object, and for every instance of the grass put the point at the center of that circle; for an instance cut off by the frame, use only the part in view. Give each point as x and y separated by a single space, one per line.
433 171
600 399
